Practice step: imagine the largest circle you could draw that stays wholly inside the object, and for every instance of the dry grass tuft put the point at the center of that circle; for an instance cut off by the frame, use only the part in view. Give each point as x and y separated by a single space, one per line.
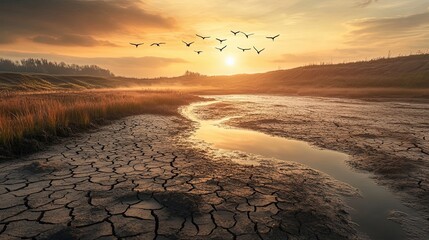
28 119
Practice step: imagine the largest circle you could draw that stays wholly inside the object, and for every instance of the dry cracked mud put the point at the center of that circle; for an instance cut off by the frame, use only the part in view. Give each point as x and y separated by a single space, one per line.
387 138
139 179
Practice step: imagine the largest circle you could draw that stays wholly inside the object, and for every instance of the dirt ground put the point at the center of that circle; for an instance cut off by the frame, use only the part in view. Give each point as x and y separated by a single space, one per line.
139 178
387 138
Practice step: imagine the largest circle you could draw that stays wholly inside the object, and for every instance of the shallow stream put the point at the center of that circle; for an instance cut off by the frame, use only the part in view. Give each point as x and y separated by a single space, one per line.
371 211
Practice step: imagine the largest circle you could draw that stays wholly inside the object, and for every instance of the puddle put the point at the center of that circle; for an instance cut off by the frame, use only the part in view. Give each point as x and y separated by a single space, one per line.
371 211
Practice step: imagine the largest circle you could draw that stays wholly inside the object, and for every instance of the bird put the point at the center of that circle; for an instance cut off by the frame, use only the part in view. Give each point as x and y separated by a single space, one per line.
188 44
273 37
157 44
221 40
220 49
258 51
198 52
243 49
201 36
235 33
247 35
137 44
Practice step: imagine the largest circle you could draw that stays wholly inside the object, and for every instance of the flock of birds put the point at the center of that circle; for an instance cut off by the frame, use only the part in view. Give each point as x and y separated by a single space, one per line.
188 44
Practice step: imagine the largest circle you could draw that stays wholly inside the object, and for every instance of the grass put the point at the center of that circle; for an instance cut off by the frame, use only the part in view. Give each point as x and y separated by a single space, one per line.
28 120
405 77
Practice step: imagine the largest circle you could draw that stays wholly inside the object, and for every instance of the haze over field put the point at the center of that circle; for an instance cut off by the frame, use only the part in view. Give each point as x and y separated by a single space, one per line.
311 31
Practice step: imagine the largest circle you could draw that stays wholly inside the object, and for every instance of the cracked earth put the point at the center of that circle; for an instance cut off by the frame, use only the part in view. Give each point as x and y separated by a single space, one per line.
389 139
139 179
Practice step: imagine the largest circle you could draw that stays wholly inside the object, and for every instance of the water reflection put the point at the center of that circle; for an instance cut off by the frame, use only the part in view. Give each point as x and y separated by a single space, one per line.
370 212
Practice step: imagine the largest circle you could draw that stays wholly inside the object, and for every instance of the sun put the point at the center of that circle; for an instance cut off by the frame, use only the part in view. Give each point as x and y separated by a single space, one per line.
230 61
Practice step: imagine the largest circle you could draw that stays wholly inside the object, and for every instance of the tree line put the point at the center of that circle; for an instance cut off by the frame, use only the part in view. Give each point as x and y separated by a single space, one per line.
32 65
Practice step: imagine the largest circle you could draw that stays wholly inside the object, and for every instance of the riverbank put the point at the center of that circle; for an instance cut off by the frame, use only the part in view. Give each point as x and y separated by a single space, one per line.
387 139
141 177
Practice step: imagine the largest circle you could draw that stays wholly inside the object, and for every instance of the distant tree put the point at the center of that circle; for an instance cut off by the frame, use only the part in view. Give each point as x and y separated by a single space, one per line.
32 65
192 74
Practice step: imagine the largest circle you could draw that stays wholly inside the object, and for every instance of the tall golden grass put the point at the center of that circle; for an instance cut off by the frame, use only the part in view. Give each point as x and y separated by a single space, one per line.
36 117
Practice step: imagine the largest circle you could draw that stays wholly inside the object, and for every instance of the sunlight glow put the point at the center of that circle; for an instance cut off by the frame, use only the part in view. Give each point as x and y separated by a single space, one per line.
230 61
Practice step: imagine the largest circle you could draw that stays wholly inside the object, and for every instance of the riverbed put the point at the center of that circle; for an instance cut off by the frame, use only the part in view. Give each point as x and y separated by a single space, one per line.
254 124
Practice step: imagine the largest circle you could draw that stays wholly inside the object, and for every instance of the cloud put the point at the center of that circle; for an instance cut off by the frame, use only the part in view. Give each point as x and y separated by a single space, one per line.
74 22
136 62
71 40
364 3
411 31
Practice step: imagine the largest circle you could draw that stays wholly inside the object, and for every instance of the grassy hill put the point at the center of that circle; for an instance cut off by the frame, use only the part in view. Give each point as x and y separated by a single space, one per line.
44 82
405 73
402 76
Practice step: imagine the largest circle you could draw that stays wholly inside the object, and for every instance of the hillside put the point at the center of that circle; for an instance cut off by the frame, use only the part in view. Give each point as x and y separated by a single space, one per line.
45 82
395 77
404 73
402 76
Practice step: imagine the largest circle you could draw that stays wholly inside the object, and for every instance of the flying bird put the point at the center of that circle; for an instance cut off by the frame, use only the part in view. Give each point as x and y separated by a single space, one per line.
201 36
198 52
136 44
247 35
220 49
157 44
235 33
258 51
243 49
273 37
221 40
188 44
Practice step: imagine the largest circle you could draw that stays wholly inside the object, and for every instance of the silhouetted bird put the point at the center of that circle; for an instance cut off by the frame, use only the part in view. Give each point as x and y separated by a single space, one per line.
220 49
136 44
198 52
157 44
201 36
221 40
243 49
274 37
235 33
188 44
247 35
258 51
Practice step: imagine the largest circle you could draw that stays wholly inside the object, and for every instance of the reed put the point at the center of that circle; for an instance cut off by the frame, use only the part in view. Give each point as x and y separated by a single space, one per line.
28 119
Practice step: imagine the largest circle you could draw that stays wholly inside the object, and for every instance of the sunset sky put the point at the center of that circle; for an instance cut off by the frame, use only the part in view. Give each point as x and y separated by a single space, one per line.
311 31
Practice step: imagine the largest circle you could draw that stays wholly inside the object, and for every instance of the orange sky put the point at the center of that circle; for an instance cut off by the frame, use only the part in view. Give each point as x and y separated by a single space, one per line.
311 31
